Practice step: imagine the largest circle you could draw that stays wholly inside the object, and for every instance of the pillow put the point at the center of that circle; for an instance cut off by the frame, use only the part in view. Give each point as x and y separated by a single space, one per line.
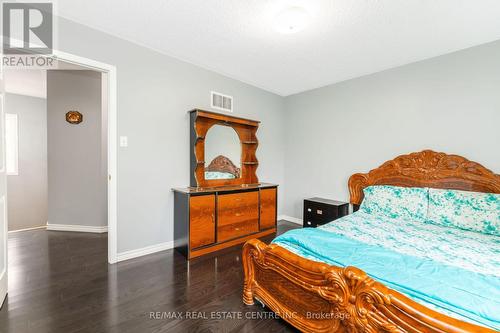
409 203
473 211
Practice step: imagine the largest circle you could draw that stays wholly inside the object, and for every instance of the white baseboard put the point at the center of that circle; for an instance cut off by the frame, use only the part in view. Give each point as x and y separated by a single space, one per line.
290 219
27 229
122 256
77 228
3 286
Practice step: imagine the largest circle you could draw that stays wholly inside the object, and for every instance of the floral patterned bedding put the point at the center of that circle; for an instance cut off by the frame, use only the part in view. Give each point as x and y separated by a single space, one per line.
465 249
452 271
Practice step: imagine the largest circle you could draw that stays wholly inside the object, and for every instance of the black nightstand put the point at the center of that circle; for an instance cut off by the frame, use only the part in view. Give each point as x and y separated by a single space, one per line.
318 211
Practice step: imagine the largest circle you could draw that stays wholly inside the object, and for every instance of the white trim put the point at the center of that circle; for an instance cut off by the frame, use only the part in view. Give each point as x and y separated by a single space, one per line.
77 228
145 251
2 129
4 276
3 283
290 219
28 229
109 70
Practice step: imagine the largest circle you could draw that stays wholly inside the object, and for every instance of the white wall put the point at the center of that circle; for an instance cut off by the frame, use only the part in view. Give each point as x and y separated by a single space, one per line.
449 103
154 94
77 182
27 191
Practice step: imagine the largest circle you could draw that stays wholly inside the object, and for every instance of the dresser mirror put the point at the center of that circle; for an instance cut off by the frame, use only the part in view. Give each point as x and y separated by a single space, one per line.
222 153
223 150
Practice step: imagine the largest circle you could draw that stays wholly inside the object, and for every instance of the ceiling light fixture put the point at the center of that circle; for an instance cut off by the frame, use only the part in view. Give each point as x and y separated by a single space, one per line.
291 20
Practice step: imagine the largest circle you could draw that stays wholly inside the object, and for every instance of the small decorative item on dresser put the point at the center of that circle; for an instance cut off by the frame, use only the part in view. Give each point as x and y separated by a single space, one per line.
318 211
74 117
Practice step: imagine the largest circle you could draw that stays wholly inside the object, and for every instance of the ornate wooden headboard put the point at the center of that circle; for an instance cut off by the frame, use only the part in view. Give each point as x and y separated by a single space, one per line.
223 164
427 169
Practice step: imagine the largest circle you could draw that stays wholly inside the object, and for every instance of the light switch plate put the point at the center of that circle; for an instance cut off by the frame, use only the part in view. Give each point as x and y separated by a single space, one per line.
123 141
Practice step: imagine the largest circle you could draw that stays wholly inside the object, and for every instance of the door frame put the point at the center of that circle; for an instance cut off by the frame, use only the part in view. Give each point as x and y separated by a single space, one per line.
4 274
110 71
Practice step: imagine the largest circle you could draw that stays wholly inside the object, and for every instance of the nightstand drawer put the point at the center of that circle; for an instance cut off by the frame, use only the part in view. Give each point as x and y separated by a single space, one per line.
318 211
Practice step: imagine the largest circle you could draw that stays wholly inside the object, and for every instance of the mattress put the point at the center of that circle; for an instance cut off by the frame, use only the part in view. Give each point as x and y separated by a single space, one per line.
453 271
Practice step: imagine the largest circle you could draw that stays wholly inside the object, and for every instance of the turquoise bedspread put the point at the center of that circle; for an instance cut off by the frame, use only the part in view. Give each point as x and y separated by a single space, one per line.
455 289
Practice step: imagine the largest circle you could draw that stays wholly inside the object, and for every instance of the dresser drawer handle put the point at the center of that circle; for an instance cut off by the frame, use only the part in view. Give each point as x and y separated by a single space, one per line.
237 214
308 222
237 229
319 212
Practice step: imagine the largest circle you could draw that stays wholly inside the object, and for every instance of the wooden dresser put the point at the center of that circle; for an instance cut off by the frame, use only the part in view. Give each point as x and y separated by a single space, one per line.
210 219
225 204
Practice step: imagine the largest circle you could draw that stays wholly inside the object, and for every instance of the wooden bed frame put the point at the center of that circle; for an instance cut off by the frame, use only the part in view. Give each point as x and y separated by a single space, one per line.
223 164
317 297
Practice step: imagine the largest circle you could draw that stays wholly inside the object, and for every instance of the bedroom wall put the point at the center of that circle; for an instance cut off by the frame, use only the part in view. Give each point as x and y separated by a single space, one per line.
77 175
155 92
27 191
450 103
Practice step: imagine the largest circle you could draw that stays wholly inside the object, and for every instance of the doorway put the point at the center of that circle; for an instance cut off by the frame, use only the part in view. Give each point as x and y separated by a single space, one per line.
107 74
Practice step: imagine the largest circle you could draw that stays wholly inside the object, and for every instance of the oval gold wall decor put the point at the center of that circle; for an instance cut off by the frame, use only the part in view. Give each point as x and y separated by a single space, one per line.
74 117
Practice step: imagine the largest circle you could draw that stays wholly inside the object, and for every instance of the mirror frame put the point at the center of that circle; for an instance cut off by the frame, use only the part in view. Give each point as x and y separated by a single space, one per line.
200 122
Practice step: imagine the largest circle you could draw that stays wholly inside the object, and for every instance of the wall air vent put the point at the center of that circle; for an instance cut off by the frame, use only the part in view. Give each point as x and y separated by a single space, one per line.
221 102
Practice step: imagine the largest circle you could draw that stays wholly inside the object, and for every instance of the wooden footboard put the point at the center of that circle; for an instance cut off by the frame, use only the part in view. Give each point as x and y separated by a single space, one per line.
317 297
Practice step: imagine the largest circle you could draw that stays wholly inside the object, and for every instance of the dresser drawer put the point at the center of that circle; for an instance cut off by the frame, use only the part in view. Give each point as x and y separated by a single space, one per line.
267 208
201 220
236 230
237 215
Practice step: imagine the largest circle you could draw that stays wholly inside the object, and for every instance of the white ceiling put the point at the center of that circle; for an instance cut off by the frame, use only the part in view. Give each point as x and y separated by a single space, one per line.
345 39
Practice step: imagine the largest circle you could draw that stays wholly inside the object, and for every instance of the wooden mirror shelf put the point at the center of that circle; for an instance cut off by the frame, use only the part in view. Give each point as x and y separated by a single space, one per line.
213 214
200 124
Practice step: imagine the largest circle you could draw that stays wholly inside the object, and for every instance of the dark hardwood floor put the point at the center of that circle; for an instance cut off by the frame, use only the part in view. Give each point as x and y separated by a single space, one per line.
61 282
